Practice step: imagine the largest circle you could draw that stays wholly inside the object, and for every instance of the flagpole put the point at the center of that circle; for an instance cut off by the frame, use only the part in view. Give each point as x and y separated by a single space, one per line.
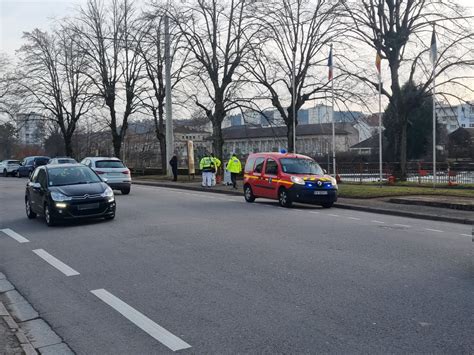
333 125
434 127
434 57
380 128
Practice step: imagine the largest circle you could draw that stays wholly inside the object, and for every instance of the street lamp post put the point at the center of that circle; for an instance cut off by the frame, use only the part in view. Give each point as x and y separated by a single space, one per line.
293 103
168 103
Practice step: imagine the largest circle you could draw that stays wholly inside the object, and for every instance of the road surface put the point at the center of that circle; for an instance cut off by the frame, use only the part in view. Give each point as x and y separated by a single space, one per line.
205 273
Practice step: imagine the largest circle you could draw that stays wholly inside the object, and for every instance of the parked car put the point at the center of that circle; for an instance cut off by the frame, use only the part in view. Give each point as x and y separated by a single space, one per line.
29 164
288 178
9 167
117 174
68 191
62 160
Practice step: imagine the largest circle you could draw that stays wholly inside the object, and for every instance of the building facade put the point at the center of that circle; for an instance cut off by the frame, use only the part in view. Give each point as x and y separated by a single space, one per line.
31 129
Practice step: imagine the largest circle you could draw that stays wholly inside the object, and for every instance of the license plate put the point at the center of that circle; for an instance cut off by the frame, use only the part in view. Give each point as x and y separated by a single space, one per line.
320 192
88 206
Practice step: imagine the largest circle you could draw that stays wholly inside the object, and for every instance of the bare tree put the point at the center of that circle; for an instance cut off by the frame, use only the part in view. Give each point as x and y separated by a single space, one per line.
401 32
52 66
295 32
218 35
109 36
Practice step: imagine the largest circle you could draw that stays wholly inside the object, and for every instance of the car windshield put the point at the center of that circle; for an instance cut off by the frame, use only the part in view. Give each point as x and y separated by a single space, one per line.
300 166
108 164
13 162
72 176
66 161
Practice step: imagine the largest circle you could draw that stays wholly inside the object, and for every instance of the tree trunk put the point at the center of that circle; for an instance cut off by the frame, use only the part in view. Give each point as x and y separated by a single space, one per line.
68 146
117 143
289 133
217 139
403 149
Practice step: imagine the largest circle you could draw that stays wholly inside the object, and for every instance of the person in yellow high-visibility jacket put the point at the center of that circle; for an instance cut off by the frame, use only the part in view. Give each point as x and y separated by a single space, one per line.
207 167
234 167
217 165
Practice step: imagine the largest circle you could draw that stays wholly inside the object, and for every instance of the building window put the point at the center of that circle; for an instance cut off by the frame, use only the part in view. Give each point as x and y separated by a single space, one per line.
463 125
471 125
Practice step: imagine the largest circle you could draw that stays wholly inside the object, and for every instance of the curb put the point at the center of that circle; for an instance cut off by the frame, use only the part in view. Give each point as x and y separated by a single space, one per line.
34 335
337 205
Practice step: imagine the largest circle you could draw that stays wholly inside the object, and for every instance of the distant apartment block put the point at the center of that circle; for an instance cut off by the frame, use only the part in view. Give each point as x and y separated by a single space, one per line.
31 128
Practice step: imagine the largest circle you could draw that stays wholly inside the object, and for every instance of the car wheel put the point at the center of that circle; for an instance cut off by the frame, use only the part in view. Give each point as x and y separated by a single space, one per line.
50 220
18 174
125 190
29 212
5 173
248 194
284 198
327 204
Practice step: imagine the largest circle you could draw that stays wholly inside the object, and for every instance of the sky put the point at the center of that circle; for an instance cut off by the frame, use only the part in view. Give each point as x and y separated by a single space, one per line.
17 16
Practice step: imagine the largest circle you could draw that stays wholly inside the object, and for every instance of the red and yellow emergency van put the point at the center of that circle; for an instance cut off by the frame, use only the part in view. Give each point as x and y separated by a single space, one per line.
288 178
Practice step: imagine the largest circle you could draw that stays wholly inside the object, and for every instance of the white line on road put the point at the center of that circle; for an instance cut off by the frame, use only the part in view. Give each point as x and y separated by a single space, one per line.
333 215
354 218
402 225
142 321
15 235
433 230
375 221
466 235
58 264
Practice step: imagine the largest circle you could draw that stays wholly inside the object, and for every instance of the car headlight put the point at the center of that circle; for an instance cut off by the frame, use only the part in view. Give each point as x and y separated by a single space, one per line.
108 193
59 197
297 180
334 182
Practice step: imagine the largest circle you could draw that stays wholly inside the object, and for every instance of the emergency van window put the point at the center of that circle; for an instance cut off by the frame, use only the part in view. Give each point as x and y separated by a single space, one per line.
271 168
259 165
249 165
300 166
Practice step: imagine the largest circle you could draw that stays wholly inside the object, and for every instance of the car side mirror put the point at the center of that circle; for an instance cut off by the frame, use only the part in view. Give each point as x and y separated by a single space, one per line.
325 171
104 179
35 185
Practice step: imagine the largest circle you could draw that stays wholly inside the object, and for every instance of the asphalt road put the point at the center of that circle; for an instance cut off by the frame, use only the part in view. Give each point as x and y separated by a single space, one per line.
224 276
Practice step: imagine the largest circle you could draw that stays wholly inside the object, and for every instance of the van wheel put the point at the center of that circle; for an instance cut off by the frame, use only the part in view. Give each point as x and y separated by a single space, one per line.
284 198
248 194
327 204
50 220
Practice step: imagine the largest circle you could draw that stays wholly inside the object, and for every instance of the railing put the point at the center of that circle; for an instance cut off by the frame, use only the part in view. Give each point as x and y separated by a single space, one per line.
456 173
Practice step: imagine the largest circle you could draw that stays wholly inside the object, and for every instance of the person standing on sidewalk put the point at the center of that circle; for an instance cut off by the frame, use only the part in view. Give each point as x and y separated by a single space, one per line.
217 165
174 167
207 167
234 167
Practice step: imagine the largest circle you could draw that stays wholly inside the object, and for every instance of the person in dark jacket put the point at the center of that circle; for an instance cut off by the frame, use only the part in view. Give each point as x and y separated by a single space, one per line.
174 167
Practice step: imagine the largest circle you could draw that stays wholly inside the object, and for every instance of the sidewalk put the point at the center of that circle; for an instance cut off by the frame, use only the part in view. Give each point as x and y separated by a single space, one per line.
376 205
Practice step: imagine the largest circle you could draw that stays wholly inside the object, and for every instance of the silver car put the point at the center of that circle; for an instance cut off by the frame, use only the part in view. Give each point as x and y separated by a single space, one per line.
111 170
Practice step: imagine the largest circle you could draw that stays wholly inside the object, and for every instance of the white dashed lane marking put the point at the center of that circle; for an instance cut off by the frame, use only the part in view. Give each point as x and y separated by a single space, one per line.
354 218
14 235
379 222
433 230
333 215
56 263
402 225
466 235
143 322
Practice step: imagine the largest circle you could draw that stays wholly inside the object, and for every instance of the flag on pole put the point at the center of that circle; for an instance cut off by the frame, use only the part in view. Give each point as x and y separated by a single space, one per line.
433 48
378 62
330 65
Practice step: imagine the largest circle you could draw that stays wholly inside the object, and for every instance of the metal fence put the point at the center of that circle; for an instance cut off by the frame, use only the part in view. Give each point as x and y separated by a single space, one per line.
454 173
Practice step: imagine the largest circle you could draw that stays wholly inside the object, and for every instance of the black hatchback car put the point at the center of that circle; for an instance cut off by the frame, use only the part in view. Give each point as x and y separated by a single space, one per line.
68 191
